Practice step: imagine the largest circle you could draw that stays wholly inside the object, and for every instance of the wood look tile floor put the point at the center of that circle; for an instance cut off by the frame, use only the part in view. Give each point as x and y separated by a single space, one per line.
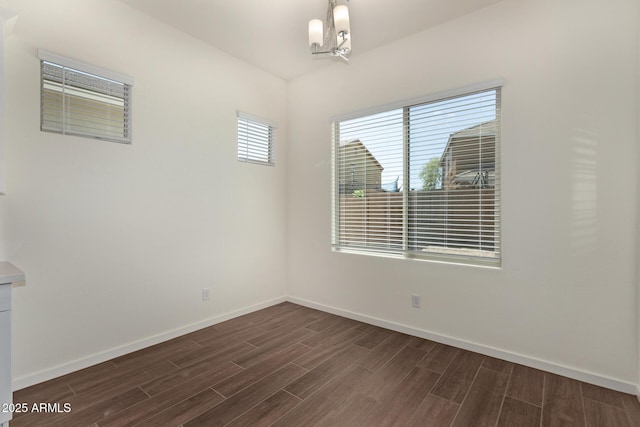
289 365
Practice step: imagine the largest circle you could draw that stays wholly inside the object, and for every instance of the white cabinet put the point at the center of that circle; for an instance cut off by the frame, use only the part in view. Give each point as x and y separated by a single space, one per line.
5 364
8 275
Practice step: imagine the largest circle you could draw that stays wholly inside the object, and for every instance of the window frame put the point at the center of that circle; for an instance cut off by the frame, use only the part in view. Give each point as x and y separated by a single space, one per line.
405 252
255 151
97 74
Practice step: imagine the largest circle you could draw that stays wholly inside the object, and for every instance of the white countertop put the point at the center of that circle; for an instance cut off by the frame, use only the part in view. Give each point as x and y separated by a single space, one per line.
9 273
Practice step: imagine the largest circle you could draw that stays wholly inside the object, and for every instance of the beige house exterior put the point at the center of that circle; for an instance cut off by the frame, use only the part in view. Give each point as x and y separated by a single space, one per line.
469 159
359 169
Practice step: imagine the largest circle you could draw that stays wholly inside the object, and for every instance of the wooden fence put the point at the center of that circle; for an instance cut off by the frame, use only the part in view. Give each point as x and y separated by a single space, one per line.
458 218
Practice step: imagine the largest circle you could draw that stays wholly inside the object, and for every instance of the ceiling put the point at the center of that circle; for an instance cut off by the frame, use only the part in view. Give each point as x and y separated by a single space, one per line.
272 34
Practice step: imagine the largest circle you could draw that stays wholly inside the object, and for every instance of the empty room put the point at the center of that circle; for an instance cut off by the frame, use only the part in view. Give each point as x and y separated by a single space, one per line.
319 213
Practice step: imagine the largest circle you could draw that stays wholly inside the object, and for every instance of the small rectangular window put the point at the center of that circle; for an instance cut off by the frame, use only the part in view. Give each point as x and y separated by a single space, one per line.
255 140
82 100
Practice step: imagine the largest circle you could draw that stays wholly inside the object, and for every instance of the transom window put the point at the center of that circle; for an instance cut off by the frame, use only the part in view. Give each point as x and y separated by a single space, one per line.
255 139
421 180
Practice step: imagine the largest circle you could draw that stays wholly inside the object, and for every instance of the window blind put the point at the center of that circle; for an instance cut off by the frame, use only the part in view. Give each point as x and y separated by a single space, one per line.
421 180
75 102
255 140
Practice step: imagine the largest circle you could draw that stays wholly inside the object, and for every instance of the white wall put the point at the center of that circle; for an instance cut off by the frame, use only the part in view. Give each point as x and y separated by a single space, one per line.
117 241
638 218
566 293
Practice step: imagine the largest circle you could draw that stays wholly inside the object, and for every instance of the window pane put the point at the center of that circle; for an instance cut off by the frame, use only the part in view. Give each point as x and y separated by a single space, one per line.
370 177
453 169
77 103
255 141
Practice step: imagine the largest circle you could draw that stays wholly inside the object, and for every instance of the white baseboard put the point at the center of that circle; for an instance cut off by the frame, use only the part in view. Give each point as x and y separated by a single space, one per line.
532 362
85 362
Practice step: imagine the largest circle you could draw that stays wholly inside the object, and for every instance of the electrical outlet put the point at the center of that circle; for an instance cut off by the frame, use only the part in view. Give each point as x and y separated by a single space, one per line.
415 301
205 294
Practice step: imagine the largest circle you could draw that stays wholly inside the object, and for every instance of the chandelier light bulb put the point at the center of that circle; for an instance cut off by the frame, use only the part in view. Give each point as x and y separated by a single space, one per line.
316 29
341 19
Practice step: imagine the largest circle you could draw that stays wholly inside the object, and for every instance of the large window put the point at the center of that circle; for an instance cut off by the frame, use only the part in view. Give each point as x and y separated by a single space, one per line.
255 139
83 100
421 180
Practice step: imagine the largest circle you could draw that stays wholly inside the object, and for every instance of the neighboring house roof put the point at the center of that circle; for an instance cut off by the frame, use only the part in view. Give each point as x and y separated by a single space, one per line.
357 144
484 129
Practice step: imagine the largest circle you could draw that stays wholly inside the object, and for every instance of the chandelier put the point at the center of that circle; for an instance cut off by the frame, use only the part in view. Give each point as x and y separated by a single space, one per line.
335 40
